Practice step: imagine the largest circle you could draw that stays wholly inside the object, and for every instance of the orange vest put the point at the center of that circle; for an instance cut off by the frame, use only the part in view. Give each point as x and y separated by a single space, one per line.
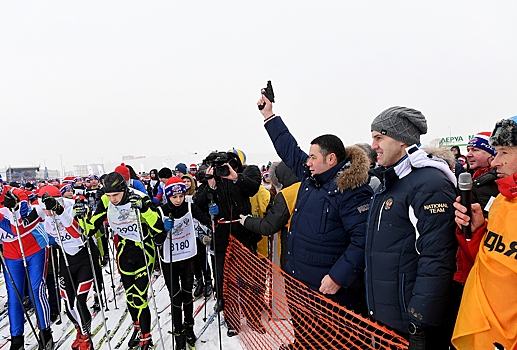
488 311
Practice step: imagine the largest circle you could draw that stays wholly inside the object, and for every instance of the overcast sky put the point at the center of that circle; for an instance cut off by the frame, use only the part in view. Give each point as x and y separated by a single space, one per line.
95 80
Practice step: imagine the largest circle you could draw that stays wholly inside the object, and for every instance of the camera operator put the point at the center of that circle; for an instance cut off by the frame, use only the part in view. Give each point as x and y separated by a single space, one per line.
229 187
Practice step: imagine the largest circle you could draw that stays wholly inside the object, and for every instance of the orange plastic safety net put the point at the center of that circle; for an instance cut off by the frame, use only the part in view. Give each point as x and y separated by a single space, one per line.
272 310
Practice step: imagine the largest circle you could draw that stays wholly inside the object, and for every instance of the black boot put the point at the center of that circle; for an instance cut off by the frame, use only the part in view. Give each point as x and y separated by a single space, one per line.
17 343
134 341
198 292
181 340
208 289
96 304
189 333
46 338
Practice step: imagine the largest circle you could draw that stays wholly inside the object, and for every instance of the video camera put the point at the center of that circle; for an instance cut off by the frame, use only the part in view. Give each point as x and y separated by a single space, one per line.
217 160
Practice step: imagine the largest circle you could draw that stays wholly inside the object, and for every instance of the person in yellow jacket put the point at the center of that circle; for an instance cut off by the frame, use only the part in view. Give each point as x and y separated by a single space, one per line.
278 216
487 318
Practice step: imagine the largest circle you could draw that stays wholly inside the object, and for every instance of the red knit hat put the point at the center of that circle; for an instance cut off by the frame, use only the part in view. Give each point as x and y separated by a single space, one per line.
68 179
51 190
123 170
174 186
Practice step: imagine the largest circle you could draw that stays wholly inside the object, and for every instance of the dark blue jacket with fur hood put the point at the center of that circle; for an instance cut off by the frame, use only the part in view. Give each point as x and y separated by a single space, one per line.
327 233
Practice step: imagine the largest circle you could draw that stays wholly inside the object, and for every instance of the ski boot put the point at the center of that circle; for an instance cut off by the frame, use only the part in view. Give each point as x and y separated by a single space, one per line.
96 304
146 343
198 292
135 338
77 340
181 340
188 329
46 338
84 343
17 343
231 332
208 289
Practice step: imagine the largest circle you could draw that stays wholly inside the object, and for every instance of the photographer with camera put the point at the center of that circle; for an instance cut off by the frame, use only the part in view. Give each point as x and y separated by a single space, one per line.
229 187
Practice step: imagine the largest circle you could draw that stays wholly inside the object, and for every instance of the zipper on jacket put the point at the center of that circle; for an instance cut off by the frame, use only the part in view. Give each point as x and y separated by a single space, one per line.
367 258
403 282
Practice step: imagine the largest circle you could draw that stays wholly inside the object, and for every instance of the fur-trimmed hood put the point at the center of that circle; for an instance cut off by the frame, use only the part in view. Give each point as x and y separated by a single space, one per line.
355 171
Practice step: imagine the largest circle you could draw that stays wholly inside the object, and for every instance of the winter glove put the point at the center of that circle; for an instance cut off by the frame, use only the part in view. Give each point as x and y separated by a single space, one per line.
52 204
138 202
168 224
80 209
417 341
243 218
11 201
213 209
205 238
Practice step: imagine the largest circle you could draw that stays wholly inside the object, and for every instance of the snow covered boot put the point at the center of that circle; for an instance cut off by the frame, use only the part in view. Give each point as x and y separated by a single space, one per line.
181 340
17 343
46 338
135 338
198 292
84 343
146 343
75 344
188 329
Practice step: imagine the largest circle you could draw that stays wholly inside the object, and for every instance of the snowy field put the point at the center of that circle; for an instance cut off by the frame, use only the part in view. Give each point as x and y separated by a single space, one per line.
119 322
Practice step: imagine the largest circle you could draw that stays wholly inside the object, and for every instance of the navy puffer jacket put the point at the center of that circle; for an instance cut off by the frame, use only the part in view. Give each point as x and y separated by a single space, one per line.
410 248
327 232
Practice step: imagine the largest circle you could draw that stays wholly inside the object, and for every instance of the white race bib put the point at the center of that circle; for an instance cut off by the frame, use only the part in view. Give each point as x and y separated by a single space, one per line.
122 220
183 240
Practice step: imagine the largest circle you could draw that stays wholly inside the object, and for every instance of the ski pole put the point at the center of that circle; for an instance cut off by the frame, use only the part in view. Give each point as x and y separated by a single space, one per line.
54 270
139 222
216 278
169 234
95 282
79 308
111 270
18 295
22 251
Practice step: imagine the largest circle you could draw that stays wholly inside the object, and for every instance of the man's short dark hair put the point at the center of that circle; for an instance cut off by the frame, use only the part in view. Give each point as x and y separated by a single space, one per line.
330 144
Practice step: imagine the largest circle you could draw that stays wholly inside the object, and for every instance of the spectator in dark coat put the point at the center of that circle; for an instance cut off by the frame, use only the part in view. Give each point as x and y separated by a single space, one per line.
410 243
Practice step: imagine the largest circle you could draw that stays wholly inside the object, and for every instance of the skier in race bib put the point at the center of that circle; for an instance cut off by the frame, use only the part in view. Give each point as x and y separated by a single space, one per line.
14 209
178 255
119 205
75 273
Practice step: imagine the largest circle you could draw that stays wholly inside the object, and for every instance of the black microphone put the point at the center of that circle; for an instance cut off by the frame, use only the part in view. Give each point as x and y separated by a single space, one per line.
465 187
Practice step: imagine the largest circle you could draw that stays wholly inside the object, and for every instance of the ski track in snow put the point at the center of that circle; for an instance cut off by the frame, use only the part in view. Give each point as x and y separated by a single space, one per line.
209 340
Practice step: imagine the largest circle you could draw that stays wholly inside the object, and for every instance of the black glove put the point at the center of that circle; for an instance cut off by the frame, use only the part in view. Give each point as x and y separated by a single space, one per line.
417 340
138 202
11 201
52 204
80 209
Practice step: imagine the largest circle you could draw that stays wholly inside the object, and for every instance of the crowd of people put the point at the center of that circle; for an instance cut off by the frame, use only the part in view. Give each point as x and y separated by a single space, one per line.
375 228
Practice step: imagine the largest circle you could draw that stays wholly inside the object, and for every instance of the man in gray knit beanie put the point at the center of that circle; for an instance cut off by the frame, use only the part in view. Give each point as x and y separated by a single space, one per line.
411 246
401 124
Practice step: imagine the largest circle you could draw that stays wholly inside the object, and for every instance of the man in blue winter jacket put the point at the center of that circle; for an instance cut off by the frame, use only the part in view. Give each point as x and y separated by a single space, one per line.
327 233
410 241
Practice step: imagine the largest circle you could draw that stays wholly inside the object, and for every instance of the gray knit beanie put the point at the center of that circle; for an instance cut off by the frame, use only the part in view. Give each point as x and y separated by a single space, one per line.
401 123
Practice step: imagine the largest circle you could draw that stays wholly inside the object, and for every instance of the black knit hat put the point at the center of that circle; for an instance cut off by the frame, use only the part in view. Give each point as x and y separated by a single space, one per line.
401 123
165 173
114 182
505 133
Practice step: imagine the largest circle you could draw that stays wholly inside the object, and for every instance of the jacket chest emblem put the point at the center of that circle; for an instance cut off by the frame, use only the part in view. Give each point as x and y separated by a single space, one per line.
388 204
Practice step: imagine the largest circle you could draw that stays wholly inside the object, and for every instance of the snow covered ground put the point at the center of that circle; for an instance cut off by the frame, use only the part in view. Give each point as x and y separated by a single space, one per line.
119 322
